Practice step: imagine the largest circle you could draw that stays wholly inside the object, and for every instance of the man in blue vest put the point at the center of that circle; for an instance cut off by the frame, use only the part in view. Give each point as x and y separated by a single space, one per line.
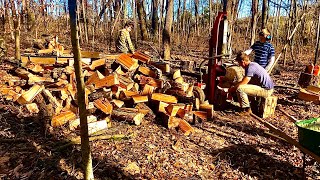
256 82
264 50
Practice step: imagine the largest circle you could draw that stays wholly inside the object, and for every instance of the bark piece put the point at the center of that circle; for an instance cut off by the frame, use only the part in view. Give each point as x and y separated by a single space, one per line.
164 98
130 115
63 118
42 60
28 96
164 67
185 127
104 105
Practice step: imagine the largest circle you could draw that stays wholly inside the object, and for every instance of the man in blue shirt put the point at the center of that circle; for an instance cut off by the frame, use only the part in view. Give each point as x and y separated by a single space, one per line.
264 50
256 82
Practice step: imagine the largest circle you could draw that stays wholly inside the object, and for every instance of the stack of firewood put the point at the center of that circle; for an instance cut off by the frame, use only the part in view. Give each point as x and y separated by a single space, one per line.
125 87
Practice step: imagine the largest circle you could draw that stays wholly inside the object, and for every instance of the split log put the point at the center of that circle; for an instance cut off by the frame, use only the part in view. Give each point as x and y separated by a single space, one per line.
151 81
126 83
99 94
97 126
97 63
104 106
201 114
90 54
164 67
125 95
128 114
95 77
181 113
139 99
147 71
209 108
119 71
181 96
55 103
117 103
172 109
147 90
164 98
127 62
186 128
107 81
35 68
63 118
171 122
32 108
141 57
28 96
176 74
73 124
149 113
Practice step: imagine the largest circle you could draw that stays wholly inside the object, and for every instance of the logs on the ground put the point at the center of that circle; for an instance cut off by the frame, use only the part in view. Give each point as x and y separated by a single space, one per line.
117 88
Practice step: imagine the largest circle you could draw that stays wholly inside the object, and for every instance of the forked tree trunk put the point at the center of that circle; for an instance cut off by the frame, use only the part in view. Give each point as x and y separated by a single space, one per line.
85 147
167 30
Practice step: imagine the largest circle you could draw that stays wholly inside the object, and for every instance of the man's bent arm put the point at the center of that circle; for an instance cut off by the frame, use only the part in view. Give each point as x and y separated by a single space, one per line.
270 63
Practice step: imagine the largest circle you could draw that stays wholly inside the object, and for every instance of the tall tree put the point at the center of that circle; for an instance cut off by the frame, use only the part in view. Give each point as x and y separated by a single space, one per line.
16 24
155 18
142 19
265 10
254 11
85 147
196 13
166 36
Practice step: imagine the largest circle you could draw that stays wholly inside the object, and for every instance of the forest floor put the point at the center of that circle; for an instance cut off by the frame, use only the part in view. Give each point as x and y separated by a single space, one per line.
228 147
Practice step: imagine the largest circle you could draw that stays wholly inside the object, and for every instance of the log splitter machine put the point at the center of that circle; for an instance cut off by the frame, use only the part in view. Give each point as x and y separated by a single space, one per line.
218 48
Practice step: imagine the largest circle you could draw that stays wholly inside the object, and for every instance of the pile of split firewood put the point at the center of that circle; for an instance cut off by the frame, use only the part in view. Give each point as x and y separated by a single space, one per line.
122 87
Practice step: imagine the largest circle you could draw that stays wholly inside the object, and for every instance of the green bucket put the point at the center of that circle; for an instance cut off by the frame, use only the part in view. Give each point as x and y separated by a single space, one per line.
309 134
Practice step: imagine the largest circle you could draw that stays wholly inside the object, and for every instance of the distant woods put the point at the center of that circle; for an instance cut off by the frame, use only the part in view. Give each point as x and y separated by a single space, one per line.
168 24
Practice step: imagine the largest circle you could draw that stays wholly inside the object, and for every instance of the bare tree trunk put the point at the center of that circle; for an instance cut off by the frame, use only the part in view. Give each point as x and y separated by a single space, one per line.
134 9
155 18
142 19
84 20
184 19
167 30
254 10
125 11
178 22
16 23
85 147
264 14
196 13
